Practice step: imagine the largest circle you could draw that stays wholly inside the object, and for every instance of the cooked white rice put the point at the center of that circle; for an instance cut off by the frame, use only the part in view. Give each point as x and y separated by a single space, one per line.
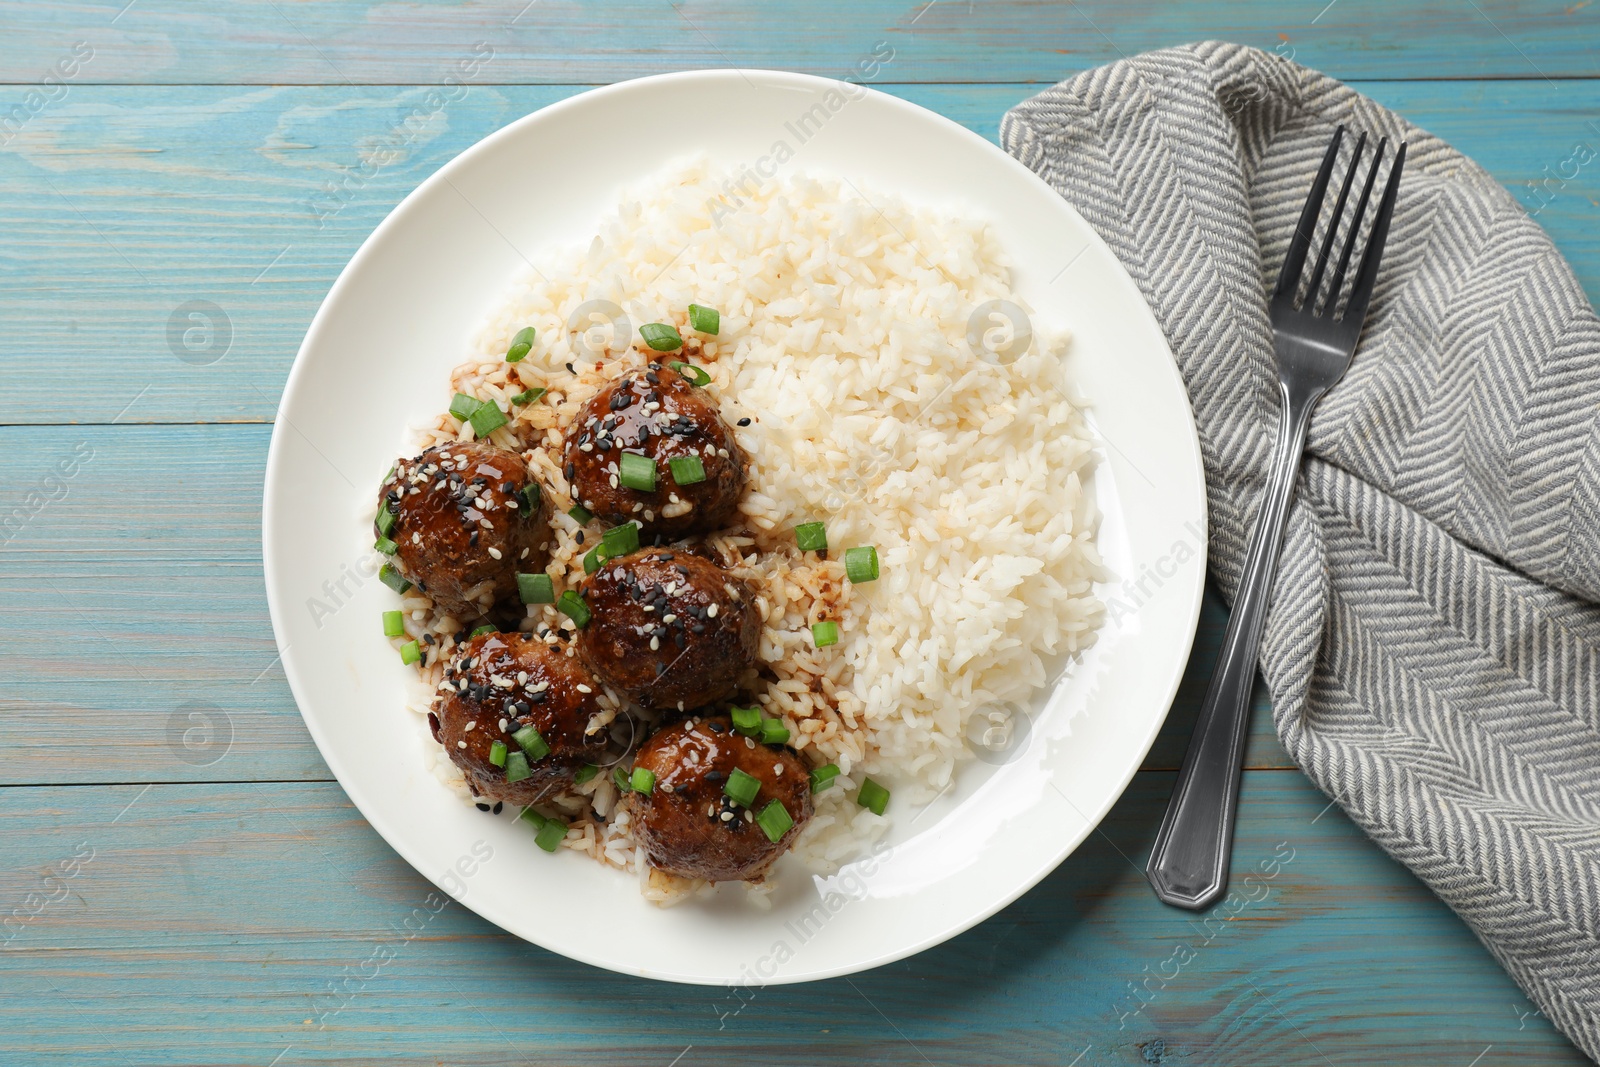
844 341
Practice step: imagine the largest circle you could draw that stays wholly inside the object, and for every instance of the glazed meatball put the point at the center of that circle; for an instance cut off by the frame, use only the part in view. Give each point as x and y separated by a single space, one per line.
657 413
519 680
465 521
688 824
669 628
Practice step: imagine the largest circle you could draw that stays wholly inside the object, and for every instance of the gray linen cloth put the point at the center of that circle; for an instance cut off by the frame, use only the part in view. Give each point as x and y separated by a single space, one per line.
1433 648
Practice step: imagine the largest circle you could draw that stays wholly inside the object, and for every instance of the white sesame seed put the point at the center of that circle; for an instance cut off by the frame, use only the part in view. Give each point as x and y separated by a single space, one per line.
613 481
647 607
670 588
711 612
669 618
524 554
470 725
504 725
655 644
494 553
522 677
727 816
638 507
583 688
749 742
461 744
510 503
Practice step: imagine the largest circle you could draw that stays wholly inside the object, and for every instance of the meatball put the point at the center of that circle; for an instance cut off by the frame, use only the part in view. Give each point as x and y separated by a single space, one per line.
669 627
466 518
502 682
688 824
655 412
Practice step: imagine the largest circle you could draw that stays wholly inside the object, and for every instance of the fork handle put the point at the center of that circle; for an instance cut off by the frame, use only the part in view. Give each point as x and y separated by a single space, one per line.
1188 866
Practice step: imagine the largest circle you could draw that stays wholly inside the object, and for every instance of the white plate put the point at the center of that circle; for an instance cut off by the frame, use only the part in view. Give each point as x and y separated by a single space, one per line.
377 359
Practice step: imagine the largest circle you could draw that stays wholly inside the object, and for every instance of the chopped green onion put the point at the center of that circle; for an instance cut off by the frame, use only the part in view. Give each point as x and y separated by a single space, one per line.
824 633
486 628
775 820
497 753
530 496
643 780
517 767
687 470
586 772
580 514
462 406
410 652
521 345
811 536
572 605
386 546
620 540
741 787
591 559
704 319
391 578
550 835
386 520
530 396
529 740
692 374
394 623
536 589
534 818
637 471
620 779
661 336
487 419
872 796
773 732
861 564
822 777
746 720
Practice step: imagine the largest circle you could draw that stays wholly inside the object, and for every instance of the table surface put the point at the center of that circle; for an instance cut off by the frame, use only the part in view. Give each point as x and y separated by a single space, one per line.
181 880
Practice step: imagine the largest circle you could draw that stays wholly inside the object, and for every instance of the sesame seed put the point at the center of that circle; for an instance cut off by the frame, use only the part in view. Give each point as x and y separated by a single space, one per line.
461 744
583 688
744 422
671 618
749 743
655 644
522 677
711 612
504 725
524 554
494 552
470 725
727 816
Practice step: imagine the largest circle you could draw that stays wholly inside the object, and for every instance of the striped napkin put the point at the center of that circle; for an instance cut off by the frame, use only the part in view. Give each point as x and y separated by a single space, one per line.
1433 648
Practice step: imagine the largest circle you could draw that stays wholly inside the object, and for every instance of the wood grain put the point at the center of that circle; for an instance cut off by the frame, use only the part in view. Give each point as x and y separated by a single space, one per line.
559 41
120 205
163 948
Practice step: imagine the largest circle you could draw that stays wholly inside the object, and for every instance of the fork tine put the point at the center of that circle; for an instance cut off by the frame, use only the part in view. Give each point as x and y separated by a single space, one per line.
1361 293
1289 276
1333 226
1355 227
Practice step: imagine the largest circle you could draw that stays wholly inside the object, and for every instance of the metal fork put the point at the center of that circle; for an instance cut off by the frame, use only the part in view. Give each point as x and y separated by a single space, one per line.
1189 865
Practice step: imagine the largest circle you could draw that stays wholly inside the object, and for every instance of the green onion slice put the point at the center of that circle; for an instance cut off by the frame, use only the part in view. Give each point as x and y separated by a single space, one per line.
487 419
529 740
486 628
637 472
573 606
530 396
386 520
746 720
394 623
521 345
620 779
661 336
811 536
861 564
822 777
824 633
586 772
410 652
775 820
741 787
687 470
591 559
692 374
391 578
517 767
550 835
536 589
620 540
497 753
704 319
386 546
580 514
462 406
533 818
872 796
530 495
773 732
643 780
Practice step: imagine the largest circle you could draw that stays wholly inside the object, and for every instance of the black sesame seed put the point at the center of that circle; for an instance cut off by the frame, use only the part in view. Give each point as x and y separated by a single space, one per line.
744 422
570 370
569 471
580 537
481 807
498 807
715 776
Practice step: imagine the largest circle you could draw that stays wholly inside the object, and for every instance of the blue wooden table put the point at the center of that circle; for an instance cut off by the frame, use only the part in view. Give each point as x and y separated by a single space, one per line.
181 880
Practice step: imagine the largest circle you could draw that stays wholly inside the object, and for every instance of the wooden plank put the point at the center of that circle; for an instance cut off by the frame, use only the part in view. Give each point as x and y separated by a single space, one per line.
120 205
519 41
134 554
152 942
